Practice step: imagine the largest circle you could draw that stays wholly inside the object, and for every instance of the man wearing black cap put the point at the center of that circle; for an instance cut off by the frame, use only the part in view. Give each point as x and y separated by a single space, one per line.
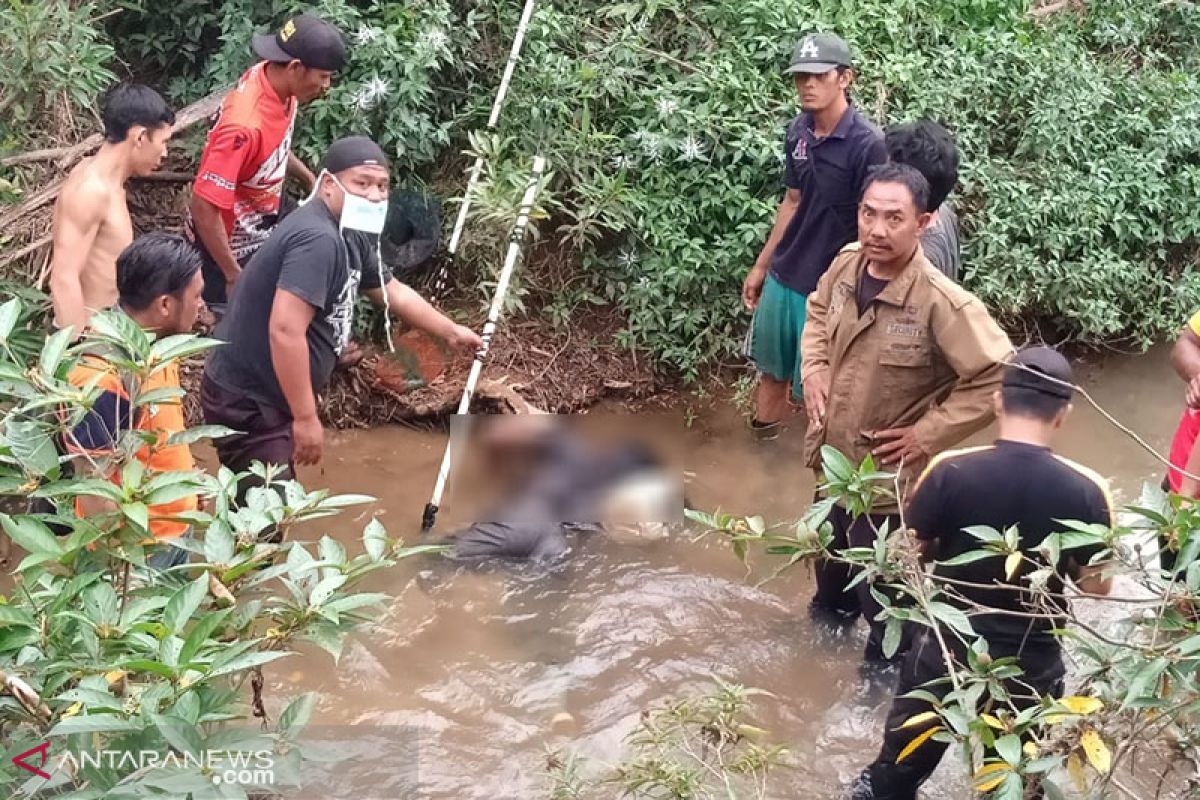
293 312
828 150
1017 482
239 184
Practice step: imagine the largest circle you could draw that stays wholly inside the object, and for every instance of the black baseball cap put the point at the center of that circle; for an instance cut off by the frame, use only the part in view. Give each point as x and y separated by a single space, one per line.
352 151
818 53
1042 370
310 40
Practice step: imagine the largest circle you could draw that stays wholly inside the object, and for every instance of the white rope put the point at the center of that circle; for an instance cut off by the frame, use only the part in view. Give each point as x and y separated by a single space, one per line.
477 168
489 328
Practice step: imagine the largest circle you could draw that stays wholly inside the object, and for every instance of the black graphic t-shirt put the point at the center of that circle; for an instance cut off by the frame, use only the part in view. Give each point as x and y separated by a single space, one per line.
309 257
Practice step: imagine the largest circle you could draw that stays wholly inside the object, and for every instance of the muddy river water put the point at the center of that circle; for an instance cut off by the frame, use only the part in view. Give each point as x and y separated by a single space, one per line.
477 664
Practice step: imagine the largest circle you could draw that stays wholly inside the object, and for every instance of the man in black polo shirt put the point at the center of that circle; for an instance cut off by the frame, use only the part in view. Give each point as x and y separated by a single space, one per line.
293 313
1017 482
828 150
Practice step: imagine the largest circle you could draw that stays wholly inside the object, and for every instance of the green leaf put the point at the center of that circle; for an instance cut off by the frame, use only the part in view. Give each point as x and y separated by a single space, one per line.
1009 748
984 533
32 446
10 312
891 636
968 558
138 515
30 534
120 328
180 346
182 735
200 634
53 350
93 723
352 602
169 494
184 603
148 665
836 465
344 500
1145 681
951 616
325 588
199 433
297 714
245 662
328 638
375 540
163 395
331 550
219 543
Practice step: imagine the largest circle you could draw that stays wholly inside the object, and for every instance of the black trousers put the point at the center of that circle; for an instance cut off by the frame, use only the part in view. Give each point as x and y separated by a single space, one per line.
834 601
885 779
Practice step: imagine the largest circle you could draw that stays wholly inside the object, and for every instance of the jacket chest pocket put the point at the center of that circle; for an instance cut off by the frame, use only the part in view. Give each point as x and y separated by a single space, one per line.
905 355
905 369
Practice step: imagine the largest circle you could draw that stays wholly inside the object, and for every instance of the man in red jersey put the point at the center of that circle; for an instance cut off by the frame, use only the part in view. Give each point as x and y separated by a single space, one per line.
236 196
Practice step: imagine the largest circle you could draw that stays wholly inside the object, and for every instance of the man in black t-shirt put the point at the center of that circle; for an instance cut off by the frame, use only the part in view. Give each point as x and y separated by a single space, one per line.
1017 482
292 314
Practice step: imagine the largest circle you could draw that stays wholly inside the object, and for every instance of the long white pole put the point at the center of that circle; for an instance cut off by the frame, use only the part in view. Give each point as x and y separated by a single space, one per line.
514 56
489 328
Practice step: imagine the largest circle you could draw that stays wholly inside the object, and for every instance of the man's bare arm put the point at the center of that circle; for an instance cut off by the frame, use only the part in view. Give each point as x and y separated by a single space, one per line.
78 216
210 230
409 306
299 170
287 330
752 286
1185 356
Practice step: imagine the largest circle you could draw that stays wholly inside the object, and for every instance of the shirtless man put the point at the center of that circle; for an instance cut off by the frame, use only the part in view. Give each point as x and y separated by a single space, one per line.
91 219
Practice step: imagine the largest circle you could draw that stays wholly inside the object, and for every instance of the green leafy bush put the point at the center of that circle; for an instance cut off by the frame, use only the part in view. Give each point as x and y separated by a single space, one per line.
98 652
55 63
663 122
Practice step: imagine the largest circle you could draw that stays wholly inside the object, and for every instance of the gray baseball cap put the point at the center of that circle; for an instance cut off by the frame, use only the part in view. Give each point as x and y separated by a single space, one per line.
818 53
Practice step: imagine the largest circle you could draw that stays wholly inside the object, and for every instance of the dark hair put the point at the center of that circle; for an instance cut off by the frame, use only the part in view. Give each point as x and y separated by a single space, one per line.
130 104
155 264
930 148
1023 401
913 180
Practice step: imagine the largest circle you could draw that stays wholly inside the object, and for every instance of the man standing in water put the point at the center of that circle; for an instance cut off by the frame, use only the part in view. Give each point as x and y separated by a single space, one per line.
1020 482
899 361
293 315
239 184
91 217
828 150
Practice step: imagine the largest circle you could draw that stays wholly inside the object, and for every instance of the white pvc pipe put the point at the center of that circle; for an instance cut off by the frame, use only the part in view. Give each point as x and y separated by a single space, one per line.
489 328
477 168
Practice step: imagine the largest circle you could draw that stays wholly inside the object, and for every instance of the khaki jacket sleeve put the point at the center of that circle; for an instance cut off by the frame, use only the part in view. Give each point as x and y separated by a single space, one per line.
814 341
975 348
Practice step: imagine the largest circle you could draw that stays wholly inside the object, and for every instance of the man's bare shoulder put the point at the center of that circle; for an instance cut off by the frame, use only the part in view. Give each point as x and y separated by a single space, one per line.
85 192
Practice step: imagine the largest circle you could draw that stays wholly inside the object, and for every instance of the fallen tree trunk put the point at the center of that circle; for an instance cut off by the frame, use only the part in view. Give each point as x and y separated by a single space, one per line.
67 157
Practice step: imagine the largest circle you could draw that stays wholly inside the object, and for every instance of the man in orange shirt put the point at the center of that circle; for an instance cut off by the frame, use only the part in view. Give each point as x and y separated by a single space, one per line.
239 184
159 285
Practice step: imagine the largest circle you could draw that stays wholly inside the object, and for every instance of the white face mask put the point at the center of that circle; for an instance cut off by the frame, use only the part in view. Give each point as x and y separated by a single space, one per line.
361 214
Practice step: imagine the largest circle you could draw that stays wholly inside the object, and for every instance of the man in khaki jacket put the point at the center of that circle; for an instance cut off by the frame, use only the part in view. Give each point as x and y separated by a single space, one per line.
898 361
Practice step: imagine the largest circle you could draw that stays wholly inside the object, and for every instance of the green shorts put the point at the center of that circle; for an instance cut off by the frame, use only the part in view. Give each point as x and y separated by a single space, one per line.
774 340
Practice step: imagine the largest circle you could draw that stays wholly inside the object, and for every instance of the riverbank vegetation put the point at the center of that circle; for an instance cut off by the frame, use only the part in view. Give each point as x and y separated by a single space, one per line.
1079 125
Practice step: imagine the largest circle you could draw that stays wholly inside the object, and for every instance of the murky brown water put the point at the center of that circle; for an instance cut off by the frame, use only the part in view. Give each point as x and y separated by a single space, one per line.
479 663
